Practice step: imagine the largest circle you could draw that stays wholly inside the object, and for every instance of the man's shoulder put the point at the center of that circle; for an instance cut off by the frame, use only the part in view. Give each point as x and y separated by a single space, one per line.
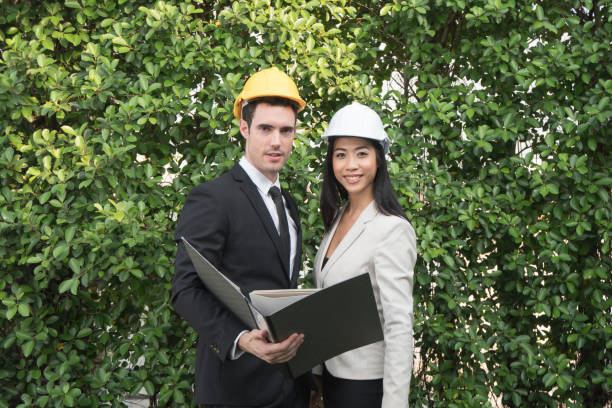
219 183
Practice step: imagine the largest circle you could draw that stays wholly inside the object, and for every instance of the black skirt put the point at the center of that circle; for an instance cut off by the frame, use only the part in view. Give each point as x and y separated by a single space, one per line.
343 393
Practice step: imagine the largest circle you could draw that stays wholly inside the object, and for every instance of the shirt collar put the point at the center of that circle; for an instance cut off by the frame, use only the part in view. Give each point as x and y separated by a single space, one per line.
262 182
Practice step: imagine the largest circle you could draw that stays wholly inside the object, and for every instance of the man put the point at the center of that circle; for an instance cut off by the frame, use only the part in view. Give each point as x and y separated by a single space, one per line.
252 235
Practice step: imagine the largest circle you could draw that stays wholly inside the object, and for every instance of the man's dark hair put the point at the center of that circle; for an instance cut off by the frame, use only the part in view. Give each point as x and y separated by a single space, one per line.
249 109
333 195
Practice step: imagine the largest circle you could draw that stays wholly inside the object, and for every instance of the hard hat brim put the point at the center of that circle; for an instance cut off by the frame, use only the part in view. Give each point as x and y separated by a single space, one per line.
238 103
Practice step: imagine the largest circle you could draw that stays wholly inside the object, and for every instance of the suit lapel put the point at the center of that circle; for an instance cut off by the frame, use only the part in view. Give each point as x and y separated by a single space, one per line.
356 230
293 212
250 190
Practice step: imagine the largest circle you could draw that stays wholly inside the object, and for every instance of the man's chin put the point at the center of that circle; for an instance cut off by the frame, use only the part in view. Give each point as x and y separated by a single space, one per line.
276 165
274 169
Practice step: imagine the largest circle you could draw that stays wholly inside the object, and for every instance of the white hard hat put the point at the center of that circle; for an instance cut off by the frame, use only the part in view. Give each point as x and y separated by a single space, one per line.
358 120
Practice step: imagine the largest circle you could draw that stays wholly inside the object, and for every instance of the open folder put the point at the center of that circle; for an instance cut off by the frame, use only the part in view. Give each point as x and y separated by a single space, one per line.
333 320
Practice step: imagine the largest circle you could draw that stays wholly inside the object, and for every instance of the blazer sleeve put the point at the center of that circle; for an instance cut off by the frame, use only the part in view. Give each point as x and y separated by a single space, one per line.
205 224
394 260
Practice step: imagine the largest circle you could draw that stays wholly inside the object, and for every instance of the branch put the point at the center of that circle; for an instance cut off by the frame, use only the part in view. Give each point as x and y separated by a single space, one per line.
447 25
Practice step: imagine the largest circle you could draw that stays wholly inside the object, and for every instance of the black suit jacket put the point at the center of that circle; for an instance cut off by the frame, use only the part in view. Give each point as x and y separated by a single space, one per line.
228 222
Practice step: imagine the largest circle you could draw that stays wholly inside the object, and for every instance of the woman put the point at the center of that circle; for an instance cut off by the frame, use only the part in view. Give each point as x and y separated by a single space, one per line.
366 229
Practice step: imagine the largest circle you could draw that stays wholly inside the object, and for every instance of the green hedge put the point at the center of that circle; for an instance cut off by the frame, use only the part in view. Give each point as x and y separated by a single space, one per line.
111 110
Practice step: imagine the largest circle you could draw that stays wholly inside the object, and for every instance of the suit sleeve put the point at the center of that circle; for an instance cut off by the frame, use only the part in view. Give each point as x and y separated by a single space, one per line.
394 260
204 223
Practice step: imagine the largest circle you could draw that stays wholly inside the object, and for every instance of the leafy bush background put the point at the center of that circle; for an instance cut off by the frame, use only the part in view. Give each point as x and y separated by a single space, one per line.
111 110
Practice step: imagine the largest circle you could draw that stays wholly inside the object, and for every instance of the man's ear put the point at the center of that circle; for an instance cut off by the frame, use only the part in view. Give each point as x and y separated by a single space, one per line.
244 128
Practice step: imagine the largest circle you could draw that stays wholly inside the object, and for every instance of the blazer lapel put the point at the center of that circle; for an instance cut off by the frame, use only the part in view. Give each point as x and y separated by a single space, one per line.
318 278
250 190
356 230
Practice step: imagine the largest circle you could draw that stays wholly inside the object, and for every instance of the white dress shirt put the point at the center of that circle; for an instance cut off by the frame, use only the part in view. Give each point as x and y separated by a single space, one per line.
263 186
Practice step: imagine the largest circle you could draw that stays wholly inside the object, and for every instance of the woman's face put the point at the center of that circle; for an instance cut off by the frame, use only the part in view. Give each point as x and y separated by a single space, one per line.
354 163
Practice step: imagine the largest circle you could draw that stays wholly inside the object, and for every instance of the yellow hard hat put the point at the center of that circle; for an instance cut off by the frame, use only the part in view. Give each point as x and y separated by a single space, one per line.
268 82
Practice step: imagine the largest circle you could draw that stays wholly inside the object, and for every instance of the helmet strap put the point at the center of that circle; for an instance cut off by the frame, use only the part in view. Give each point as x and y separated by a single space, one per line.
244 103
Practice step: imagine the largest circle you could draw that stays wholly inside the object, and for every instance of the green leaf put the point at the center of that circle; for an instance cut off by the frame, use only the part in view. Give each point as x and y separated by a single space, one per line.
84 332
70 231
449 261
74 264
563 382
516 399
163 358
48 44
66 285
604 181
550 139
74 39
24 309
27 348
74 286
68 130
149 387
179 398
107 22
120 41
44 197
68 400
61 251
310 43
549 379
10 312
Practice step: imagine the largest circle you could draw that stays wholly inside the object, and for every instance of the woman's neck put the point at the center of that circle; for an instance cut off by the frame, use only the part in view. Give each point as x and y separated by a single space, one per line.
358 203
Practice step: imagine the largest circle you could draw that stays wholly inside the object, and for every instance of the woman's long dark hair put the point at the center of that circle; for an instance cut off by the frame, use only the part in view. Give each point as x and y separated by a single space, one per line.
333 195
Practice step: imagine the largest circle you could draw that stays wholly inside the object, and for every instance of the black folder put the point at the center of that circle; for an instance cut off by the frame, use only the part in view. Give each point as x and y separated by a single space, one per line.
334 319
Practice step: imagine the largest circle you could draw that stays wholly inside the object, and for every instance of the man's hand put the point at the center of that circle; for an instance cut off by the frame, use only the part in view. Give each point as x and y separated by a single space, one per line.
255 342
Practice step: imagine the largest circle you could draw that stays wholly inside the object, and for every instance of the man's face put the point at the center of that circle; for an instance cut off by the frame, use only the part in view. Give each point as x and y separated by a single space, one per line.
270 138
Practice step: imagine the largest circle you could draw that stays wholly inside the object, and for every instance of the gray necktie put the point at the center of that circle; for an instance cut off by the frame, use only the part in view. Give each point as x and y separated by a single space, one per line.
283 226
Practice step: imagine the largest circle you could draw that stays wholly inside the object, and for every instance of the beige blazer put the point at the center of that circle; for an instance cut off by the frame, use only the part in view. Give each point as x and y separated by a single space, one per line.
385 247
